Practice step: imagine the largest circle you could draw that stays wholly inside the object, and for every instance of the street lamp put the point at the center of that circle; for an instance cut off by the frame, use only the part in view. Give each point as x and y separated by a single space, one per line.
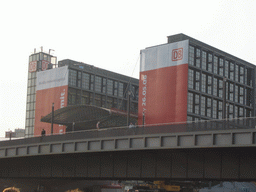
52 118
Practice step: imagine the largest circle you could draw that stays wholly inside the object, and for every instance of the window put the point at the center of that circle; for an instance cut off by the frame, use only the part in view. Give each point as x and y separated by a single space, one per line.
190 78
71 96
191 55
198 54
215 65
209 65
248 113
115 88
110 87
85 99
190 102
241 78
241 95
231 110
221 67
215 86
220 110
241 111
109 102
226 69
97 100
203 60
236 73
248 76
122 105
236 93
121 89
249 96
136 93
79 78
209 84
196 104
220 88
85 81
98 84
197 82
92 82
189 118
209 107
78 96
231 92
72 77
214 109
203 83
236 111
104 84
231 73
203 105
134 107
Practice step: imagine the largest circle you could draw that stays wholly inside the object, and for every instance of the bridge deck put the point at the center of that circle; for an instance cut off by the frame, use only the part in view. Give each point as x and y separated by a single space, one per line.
80 143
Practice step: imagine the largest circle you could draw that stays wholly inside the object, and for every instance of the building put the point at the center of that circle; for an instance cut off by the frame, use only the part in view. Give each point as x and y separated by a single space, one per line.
72 83
188 80
38 61
16 134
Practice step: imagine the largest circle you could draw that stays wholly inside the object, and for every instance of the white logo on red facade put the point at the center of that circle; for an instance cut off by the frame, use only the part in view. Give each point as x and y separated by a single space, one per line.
45 65
32 66
177 54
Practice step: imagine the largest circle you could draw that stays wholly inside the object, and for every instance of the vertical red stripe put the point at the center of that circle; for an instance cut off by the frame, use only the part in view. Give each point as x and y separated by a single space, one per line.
44 100
165 99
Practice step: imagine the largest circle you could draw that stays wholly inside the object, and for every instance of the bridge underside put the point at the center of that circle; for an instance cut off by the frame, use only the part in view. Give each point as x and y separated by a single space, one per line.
165 164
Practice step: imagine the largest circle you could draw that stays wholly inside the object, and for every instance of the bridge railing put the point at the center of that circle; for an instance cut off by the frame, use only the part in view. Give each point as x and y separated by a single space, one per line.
208 125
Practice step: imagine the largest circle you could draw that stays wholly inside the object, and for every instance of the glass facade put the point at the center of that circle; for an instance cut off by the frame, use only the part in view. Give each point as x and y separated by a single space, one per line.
92 88
30 107
214 82
39 60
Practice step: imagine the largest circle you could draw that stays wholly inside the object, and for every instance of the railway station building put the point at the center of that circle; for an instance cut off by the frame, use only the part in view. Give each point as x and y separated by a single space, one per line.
188 80
77 93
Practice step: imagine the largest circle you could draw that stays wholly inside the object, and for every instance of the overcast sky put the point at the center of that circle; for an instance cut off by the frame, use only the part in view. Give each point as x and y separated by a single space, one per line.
110 34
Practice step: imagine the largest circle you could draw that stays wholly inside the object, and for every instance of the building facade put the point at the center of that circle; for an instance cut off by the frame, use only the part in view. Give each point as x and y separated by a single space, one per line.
90 85
75 83
194 81
38 61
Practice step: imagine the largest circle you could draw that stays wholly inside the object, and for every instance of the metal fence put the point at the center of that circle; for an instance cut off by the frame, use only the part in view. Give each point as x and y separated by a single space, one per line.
210 125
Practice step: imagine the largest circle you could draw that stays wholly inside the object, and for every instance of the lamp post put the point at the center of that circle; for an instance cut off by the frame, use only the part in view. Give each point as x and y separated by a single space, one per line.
52 118
128 107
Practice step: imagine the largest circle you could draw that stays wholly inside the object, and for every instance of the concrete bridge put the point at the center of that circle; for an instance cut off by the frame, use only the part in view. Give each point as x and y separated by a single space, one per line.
221 155
96 155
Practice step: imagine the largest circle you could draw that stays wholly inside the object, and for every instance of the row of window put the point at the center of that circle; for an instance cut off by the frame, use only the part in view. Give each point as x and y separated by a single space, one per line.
76 96
213 85
42 56
217 65
30 107
30 122
213 108
29 131
100 84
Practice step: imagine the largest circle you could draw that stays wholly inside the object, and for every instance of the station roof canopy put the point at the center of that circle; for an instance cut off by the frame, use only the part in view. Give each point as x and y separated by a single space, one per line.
87 116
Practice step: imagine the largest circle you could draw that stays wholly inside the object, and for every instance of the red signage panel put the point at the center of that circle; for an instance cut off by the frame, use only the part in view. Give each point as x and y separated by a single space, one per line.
32 66
52 87
163 84
45 65
44 100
